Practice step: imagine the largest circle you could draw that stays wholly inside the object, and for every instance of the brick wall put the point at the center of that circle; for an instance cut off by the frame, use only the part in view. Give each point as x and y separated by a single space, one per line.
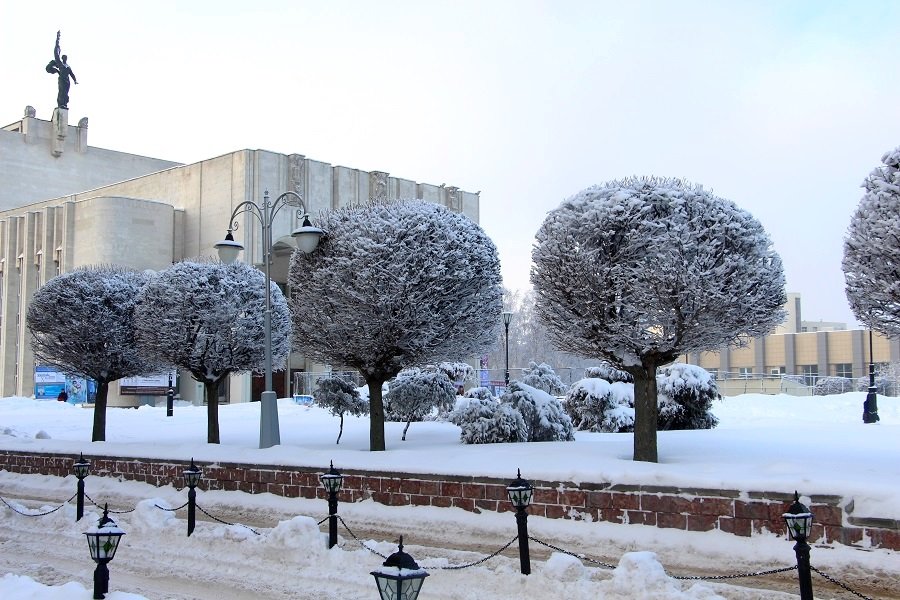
690 509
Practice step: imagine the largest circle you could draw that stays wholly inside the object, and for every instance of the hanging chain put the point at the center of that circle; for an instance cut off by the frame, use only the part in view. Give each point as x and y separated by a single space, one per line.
14 509
578 556
172 509
353 535
200 508
838 583
735 576
477 562
115 512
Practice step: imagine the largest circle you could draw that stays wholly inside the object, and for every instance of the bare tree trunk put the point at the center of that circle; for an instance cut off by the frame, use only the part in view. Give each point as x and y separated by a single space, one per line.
99 432
405 429
376 415
646 413
212 411
341 430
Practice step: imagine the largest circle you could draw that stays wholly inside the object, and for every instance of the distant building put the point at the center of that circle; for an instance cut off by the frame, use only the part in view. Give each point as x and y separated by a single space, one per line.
64 204
811 349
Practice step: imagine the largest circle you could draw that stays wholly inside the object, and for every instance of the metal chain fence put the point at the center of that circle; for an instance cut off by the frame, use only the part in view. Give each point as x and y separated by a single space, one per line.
839 584
43 514
482 560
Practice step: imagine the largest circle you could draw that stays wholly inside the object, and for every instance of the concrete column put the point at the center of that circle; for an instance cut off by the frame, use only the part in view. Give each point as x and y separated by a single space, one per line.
822 353
9 305
790 353
60 129
759 355
30 282
859 347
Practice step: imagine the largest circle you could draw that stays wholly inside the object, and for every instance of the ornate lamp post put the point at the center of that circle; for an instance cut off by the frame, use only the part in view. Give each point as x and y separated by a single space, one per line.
520 493
103 541
870 407
307 238
507 317
332 481
192 477
81 468
400 576
799 522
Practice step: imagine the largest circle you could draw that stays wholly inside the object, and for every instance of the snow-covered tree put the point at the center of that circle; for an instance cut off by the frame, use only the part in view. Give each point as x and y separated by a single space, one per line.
207 318
339 396
545 419
82 322
826 386
482 393
595 404
686 393
457 372
414 393
542 377
486 421
395 284
872 250
642 270
608 373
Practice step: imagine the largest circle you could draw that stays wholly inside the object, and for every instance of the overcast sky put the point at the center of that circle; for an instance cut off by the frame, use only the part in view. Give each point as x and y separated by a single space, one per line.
783 107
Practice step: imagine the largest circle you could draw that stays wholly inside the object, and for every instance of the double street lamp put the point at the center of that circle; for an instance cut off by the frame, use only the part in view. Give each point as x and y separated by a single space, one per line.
307 238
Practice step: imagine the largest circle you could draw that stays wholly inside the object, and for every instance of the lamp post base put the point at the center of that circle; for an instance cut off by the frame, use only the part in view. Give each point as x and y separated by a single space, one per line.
269 433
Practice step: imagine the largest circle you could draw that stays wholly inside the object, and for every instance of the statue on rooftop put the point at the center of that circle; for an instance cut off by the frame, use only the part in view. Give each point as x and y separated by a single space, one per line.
59 66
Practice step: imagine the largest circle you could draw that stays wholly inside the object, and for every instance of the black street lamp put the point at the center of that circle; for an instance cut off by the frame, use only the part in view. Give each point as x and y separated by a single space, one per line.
332 481
192 477
870 406
81 469
103 541
400 577
799 523
170 398
520 493
307 238
507 317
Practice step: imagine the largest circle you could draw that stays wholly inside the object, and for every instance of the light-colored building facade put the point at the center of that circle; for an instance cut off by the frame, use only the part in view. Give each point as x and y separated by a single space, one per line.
809 349
64 204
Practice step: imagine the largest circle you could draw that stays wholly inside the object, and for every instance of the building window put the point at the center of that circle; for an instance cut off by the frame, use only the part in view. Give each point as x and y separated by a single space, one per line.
776 371
810 374
843 370
746 372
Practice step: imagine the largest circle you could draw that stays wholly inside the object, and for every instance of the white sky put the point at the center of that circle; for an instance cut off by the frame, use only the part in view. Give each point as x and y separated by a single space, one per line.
782 107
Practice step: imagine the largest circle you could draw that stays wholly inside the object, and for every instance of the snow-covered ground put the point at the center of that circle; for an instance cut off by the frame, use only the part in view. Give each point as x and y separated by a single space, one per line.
817 445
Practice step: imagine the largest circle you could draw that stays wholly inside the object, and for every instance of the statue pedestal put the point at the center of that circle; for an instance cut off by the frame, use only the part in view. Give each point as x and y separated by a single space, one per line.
60 128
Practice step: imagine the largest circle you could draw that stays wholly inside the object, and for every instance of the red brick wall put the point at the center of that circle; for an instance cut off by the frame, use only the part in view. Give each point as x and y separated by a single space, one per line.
690 509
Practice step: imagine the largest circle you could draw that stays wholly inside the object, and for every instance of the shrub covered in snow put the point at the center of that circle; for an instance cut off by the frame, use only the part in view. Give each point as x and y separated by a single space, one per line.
481 393
415 393
685 395
542 377
457 372
595 404
606 371
486 421
825 386
545 419
339 396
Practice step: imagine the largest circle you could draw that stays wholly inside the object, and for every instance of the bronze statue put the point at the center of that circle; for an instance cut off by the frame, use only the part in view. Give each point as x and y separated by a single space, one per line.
61 67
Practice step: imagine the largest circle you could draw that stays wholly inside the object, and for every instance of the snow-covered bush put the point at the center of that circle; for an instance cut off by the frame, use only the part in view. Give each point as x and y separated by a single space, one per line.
545 420
481 393
339 396
685 395
457 372
542 377
486 421
607 372
415 393
595 404
826 386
